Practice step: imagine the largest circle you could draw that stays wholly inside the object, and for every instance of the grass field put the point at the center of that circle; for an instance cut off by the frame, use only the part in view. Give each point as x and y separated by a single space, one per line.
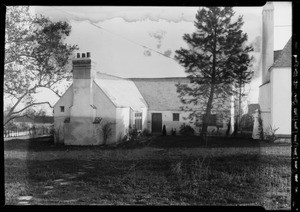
166 171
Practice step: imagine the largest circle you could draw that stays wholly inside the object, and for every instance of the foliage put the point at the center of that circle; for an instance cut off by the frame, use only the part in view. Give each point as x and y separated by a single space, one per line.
173 132
67 120
10 126
145 133
247 122
106 132
132 133
36 57
216 61
186 130
97 120
260 126
270 135
228 127
164 131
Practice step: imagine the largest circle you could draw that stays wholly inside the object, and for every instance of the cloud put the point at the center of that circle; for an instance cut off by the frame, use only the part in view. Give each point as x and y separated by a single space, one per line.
97 14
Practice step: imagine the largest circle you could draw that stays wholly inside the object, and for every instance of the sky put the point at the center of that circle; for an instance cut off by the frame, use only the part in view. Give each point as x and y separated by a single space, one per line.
118 44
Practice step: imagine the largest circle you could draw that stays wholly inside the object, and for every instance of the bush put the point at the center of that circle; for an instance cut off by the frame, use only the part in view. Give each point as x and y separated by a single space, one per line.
247 122
270 134
145 133
106 132
164 131
173 132
186 130
132 133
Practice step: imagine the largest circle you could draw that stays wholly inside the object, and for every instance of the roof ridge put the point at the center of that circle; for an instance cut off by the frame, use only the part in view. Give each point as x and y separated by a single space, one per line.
111 75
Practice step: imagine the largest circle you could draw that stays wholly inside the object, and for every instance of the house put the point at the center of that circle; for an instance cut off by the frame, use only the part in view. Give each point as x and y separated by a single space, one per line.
275 90
96 100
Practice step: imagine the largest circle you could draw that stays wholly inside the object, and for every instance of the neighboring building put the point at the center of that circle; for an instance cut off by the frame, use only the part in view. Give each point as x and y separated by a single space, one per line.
275 91
139 103
45 121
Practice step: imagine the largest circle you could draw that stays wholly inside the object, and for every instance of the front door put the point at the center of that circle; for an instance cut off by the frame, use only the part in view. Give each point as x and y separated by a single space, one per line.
156 122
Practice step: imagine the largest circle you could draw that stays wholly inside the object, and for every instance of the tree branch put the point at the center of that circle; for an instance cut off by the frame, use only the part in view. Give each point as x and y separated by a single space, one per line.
38 103
51 90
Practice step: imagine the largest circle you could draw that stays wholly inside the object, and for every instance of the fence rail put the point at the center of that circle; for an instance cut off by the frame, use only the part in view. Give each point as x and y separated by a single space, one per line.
31 131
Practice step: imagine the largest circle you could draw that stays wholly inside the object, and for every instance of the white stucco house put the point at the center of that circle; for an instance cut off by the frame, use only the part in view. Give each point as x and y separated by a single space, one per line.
142 103
275 90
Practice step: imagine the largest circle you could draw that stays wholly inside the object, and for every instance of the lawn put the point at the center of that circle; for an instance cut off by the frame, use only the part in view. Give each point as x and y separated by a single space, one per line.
166 171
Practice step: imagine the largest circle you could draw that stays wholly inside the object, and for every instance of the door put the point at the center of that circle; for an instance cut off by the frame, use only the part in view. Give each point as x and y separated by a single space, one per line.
156 122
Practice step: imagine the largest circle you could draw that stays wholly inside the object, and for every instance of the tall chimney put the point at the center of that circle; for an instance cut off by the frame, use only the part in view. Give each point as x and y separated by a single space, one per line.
267 40
83 77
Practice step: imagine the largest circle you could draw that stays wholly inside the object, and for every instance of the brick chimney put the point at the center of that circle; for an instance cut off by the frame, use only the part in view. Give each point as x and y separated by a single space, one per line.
83 77
267 40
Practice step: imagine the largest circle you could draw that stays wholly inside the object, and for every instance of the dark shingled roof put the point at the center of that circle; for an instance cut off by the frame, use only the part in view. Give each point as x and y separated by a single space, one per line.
160 93
285 57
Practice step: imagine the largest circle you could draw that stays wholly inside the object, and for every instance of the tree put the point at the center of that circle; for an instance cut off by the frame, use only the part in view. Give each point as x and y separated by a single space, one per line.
243 76
216 61
36 56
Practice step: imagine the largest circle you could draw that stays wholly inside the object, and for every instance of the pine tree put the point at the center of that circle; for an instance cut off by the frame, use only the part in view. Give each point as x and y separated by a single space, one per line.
216 61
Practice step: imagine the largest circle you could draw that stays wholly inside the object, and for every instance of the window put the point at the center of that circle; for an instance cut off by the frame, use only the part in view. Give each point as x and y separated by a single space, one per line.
138 121
62 109
175 116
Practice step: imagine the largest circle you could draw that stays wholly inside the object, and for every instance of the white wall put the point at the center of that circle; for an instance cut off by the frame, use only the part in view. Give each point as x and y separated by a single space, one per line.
82 98
167 119
281 99
122 122
264 101
59 117
106 110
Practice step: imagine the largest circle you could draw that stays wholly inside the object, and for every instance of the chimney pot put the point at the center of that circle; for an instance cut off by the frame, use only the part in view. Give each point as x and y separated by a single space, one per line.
83 55
88 54
78 55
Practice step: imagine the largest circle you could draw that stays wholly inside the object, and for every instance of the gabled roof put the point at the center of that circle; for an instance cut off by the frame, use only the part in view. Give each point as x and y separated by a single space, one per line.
285 57
122 92
160 93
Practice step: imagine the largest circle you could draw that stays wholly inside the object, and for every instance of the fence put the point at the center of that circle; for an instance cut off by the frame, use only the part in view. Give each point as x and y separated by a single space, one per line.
16 132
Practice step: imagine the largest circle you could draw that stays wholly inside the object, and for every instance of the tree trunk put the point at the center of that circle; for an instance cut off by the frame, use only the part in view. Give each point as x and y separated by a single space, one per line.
207 114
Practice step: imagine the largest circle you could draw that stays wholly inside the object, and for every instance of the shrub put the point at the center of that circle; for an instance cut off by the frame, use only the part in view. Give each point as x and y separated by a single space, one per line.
270 134
260 126
186 130
106 132
173 132
164 131
145 133
247 122
67 120
97 120
132 133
